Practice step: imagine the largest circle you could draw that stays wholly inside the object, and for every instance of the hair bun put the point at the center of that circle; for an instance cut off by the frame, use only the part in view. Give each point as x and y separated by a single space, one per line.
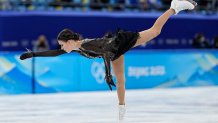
67 34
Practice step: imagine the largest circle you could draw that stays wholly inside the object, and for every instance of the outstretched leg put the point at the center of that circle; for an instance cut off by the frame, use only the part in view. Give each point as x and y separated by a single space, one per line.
155 30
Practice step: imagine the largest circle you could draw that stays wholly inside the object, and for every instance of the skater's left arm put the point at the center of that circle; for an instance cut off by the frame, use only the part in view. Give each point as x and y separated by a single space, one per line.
108 75
49 53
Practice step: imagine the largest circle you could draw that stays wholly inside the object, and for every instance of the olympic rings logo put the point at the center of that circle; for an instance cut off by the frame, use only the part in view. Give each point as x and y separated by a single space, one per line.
98 71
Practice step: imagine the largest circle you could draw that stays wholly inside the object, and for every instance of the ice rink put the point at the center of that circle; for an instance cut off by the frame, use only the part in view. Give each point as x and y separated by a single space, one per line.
183 105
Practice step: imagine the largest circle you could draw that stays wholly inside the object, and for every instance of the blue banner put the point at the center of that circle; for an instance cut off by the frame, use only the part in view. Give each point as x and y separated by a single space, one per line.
143 69
59 74
15 75
170 69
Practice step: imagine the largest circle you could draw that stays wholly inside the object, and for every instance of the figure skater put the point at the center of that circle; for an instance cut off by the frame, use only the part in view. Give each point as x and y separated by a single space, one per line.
112 47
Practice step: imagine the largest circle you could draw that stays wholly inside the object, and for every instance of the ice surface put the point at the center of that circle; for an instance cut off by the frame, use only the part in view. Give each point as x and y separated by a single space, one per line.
183 105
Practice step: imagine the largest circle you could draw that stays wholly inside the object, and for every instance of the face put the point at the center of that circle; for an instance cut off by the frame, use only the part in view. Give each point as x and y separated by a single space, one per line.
67 46
41 39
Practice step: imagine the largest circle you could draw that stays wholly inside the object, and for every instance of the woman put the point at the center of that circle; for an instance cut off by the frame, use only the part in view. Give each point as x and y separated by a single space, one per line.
112 48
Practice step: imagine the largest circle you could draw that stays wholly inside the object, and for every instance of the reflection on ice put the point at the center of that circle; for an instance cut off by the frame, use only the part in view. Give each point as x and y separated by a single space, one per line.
184 105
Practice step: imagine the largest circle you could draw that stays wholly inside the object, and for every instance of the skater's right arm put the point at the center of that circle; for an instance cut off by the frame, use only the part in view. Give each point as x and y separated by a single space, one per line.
49 53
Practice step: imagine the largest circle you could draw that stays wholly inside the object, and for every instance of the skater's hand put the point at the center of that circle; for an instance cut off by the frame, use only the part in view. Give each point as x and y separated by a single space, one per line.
109 81
26 55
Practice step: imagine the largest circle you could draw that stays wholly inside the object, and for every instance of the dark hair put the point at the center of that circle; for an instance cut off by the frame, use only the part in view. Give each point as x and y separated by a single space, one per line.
198 36
67 34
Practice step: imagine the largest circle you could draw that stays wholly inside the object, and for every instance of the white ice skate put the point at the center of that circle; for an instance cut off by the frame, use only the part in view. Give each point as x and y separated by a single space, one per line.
122 111
179 5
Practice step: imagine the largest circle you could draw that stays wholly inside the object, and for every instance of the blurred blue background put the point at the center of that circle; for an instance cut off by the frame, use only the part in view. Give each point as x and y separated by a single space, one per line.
185 54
